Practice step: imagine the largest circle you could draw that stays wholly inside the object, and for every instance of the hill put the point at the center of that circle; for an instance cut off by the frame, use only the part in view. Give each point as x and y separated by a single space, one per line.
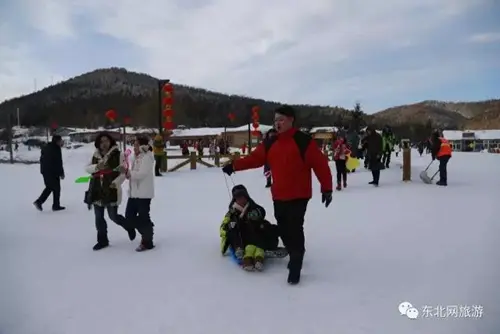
472 115
83 100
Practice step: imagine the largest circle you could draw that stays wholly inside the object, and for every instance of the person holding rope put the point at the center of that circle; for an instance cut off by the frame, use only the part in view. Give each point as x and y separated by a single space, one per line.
291 155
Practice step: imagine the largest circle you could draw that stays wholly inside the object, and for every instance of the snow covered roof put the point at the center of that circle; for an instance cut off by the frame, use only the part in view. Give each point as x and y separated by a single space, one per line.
200 132
323 129
487 134
478 134
452 134
197 132
262 128
128 129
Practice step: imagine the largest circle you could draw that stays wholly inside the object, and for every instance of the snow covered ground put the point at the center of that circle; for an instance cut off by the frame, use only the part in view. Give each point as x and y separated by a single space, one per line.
367 253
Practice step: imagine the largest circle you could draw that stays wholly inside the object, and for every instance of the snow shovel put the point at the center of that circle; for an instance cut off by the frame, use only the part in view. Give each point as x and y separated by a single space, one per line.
424 177
433 176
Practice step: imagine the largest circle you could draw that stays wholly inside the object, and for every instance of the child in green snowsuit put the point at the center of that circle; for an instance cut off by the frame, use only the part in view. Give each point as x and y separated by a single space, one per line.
245 229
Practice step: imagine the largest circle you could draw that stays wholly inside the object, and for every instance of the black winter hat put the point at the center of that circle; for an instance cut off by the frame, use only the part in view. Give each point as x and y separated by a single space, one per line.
239 191
97 141
285 111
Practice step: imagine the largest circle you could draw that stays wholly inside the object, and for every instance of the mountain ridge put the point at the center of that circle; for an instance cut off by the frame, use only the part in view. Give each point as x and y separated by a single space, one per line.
89 95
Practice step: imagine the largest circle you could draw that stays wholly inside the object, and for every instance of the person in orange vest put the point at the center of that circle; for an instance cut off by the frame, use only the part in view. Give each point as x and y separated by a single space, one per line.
441 150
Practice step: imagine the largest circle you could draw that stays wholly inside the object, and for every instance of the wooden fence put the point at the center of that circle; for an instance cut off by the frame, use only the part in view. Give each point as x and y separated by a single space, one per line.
193 159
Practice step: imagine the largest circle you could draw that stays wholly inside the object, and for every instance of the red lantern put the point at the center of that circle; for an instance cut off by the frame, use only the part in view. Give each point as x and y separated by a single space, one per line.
255 133
53 125
168 100
168 113
168 87
168 125
127 120
231 116
255 110
111 115
255 125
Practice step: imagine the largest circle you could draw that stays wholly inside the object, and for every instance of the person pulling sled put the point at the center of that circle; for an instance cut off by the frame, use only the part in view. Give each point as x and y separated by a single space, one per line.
245 232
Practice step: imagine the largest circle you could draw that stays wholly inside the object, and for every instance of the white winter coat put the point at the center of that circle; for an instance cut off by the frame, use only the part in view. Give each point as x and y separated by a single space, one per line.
92 168
141 182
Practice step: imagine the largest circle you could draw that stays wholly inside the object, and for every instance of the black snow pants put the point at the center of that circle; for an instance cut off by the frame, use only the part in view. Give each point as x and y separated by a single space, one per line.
158 165
387 159
52 186
137 215
340 166
443 169
290 218
100 222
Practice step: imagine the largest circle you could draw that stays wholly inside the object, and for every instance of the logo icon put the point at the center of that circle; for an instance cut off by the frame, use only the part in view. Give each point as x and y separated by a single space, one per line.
406 308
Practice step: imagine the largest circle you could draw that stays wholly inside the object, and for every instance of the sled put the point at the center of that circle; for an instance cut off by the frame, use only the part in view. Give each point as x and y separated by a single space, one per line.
277 253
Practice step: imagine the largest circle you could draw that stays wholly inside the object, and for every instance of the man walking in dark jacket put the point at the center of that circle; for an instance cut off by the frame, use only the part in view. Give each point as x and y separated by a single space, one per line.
291 155
374 148
51 168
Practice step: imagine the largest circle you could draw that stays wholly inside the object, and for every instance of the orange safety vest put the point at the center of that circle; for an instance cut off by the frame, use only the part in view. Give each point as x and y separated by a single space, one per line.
445 149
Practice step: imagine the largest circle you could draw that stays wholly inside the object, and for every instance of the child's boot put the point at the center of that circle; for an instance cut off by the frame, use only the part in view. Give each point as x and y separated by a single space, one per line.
248 264
259 263
259 259
239 253
248 259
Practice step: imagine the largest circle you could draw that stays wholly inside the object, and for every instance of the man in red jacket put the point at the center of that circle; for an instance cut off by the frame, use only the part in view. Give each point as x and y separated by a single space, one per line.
291 155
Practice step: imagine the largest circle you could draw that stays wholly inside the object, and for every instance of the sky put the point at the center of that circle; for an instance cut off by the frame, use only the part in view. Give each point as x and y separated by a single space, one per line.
328 52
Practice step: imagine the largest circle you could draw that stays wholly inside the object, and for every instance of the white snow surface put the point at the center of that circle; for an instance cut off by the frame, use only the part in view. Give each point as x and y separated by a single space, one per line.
372 249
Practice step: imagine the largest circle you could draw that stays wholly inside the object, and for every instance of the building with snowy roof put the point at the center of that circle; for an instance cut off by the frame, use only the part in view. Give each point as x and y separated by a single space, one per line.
473 140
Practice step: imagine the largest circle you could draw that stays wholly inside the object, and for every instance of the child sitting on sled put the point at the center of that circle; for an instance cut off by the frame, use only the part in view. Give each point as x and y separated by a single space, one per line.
245 230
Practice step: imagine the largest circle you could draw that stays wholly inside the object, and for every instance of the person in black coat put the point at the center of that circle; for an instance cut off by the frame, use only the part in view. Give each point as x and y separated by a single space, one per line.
374 147
51 168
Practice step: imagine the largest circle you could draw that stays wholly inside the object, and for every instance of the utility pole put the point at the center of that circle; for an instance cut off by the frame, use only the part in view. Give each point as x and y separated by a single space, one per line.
10 134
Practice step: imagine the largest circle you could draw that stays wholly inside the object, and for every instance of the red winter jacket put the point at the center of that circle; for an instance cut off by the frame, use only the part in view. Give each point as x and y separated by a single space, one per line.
291 173
340 149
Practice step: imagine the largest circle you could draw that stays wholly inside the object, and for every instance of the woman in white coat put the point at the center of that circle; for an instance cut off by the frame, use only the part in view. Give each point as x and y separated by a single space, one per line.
141 192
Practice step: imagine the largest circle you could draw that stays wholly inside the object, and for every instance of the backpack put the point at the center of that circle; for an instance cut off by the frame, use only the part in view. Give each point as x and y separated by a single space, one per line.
301 139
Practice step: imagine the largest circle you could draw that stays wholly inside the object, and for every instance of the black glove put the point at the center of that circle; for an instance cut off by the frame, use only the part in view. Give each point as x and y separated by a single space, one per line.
326 198
228 169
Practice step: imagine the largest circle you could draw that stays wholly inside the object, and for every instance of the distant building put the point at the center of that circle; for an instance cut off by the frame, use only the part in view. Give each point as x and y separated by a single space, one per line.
89 135
473 140
236 137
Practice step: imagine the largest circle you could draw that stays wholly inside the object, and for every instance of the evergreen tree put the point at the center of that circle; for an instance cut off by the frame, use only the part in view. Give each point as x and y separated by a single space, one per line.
357 118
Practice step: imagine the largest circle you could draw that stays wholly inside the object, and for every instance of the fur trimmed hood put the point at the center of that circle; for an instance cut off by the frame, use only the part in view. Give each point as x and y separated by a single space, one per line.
98 155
